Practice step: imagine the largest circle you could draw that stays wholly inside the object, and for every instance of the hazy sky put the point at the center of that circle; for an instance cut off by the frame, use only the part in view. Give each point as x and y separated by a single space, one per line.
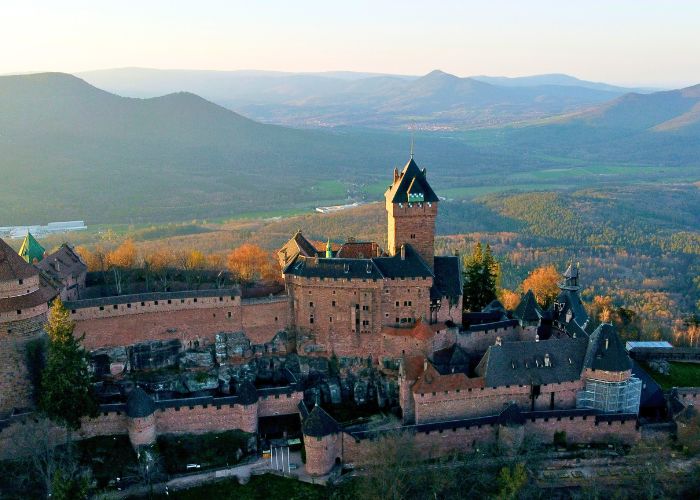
626 42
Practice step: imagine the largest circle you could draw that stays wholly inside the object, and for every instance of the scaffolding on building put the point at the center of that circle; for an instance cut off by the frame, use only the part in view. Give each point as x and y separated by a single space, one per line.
611 397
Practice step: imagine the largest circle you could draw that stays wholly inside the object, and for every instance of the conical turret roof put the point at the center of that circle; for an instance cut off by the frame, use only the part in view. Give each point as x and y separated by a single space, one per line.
12 266
319 423
31 251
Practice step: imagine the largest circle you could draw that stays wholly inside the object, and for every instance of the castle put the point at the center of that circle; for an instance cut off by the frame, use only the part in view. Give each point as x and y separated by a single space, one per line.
480 376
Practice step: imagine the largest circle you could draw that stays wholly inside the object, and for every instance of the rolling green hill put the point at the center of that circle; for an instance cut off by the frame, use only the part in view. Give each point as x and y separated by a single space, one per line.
69 150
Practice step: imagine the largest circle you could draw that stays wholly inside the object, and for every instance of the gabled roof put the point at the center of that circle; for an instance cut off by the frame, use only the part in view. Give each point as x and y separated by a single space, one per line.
319 423
358 250
448 278
432 381
411 181
31 250
63 263
606 351
12 266
451 359
297 245
528 309
570 301
571 271
523 363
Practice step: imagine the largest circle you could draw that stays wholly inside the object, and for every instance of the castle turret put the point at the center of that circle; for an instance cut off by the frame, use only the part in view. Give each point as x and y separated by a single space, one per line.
24 298
411 207
322 442
31 251
141 424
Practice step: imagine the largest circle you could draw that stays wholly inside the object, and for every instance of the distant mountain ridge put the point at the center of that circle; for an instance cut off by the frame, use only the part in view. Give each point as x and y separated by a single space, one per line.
437 100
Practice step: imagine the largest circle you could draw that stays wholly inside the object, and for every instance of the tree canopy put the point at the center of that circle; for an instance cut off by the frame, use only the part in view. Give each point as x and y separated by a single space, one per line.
66 393
481 271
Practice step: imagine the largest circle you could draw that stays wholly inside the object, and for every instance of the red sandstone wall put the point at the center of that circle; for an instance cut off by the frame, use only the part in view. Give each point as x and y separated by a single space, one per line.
263 318
480 341
690 396
280 404
209 418
187 322
451 405
440 443
413 225
334 326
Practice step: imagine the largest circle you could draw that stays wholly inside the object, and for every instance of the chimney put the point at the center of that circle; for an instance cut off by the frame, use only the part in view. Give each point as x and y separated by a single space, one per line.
425 172
403 252
606 343
396 174
546 360
537 337
498 340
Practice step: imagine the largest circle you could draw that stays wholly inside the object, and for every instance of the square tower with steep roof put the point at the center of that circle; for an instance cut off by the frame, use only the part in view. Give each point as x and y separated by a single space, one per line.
411 206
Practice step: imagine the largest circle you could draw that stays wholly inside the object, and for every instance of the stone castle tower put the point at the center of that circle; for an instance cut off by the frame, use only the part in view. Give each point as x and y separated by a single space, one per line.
411 207
24 298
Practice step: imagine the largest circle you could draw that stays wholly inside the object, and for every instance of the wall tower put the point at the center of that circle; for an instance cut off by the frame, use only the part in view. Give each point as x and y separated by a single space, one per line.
411 207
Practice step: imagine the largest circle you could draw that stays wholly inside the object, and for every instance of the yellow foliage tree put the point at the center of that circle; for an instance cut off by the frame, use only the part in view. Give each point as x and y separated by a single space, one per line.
122 259
509 298
543 282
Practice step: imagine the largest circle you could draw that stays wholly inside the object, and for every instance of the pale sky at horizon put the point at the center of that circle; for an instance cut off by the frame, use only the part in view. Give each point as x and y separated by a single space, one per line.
641 43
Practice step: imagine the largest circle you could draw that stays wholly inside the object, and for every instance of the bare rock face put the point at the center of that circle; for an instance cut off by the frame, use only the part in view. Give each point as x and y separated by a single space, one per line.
111 361
154 354
197 359
200 381
231 345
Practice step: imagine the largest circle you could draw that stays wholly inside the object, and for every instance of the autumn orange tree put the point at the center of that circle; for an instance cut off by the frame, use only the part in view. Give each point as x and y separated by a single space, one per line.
159 261
120 260
250 263
509 298
543 282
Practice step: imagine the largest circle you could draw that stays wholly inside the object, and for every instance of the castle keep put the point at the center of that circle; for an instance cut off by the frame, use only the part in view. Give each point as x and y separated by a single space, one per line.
356 324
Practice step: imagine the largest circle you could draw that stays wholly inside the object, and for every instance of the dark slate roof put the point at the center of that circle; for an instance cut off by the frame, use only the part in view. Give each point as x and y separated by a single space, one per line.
12 266
571 271
63 263
495 306
413 266
319 423
411 180
139 404
652 394
522 363
606 351
320 267
142 297
448 278
42 295
451 358
247 393
528 309
570 300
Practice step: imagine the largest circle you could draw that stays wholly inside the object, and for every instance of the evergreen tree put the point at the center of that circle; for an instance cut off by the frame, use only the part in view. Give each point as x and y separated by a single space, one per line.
481 271
66 384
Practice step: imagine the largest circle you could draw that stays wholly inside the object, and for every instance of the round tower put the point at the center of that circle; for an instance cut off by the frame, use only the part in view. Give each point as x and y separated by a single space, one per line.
248 406
322 442
24 299
141 424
